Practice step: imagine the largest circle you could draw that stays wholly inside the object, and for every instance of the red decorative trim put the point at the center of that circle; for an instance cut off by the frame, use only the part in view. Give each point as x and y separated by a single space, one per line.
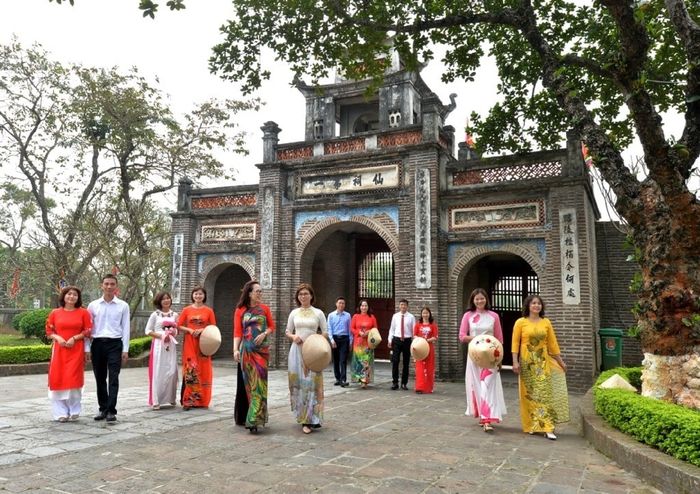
346 146
295 153
511 173
228 201
399 139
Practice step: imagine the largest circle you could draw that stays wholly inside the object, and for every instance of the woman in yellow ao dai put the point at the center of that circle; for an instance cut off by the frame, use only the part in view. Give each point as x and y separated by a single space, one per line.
544 399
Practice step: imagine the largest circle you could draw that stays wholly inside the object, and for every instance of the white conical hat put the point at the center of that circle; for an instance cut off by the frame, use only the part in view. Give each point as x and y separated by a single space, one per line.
616 381
373 338
316 352
420 348
209 340
486 351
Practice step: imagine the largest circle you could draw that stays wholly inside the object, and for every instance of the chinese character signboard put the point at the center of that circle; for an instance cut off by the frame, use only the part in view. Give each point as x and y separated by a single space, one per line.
354 180
568 237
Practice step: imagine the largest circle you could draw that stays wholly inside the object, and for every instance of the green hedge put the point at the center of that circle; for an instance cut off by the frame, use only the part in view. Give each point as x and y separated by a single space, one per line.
25 354
671 428
139 345
34 324
42 353
18 319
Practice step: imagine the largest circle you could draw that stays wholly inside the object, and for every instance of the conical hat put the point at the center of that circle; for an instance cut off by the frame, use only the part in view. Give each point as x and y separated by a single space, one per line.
373 338
617 382
209 340
316 352
420 348
486 351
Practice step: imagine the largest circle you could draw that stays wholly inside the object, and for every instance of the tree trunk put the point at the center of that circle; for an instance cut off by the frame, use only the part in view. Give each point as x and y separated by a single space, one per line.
668 239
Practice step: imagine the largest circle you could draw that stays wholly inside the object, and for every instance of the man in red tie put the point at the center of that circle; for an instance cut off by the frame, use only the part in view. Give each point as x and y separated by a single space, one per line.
399 342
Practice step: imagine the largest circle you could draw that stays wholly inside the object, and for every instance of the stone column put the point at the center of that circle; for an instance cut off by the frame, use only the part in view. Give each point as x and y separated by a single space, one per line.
270 139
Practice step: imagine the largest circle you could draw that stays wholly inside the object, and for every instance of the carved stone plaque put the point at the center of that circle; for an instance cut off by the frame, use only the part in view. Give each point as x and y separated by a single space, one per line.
241 232
509 215
423 254
354 180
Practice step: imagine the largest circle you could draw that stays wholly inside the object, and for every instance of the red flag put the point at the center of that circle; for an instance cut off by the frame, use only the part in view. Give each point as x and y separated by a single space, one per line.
14 290
587 158
468 137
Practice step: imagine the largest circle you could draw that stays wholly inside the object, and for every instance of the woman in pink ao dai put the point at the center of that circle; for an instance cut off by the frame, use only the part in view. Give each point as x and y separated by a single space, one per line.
484 390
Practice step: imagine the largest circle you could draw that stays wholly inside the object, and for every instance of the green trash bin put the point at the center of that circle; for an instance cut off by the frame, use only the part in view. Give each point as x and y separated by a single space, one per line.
611 347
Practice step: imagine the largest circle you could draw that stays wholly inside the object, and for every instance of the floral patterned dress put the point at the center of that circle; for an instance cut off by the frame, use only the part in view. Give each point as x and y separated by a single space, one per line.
362 355
197 374
162 362
543 394
305 385
248 323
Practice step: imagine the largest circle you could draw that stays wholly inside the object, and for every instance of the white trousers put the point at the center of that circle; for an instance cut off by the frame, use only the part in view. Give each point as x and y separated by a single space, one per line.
65 402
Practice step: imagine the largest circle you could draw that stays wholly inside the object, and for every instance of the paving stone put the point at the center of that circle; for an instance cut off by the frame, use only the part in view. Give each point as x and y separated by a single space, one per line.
372 440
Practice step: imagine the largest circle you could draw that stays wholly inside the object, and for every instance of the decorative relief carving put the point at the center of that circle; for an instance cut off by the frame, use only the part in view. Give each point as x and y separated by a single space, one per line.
568 238
422 246
227 201
241 232
353 180
346 146
178 246
497 215
444 142
399 139
295 153
528 171
266 237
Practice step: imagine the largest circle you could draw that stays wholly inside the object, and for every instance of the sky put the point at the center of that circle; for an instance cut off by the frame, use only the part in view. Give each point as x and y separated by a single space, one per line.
175 48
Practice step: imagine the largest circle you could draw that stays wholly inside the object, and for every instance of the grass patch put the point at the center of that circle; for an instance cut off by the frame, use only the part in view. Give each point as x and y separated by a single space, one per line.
19 340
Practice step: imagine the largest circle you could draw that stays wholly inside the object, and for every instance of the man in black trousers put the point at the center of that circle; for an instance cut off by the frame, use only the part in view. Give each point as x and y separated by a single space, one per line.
399 342
109 346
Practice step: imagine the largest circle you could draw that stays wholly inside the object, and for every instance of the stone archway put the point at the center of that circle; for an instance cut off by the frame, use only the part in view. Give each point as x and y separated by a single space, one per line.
223 283
332 255
465 258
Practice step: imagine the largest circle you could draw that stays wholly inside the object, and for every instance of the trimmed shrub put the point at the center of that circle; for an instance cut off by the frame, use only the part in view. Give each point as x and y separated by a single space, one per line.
18 319
139 345
24 354
671 428
34 324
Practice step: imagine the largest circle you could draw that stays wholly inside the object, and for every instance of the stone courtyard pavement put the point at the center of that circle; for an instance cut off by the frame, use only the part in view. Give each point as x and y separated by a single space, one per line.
374 440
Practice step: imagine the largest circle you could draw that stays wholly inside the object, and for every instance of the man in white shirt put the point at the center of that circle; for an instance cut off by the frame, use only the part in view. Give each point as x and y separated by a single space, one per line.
399 342
109 346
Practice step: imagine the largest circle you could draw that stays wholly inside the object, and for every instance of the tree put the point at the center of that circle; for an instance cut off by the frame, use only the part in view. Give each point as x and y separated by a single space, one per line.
93 148
608 71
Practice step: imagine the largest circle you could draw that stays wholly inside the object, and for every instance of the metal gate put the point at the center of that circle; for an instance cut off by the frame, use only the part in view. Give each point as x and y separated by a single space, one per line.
375 282
506 293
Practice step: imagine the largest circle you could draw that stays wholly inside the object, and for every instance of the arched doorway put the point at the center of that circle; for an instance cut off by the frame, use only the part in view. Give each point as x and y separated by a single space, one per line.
349 259
508 279
224 291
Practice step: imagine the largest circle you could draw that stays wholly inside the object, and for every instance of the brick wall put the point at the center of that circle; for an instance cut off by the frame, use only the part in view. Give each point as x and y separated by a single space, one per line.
614 276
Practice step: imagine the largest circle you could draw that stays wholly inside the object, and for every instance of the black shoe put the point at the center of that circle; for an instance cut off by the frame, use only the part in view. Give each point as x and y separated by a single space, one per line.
394 387
404 387
100 416
337 383
344 384
254 429
111 417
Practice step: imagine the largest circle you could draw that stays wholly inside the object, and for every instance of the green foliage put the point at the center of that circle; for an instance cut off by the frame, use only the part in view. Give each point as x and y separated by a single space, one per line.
34 324
138 346
671 428
19 340
17 319
25 354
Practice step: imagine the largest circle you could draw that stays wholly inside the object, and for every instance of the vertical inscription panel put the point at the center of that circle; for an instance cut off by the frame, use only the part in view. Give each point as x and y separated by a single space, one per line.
423 254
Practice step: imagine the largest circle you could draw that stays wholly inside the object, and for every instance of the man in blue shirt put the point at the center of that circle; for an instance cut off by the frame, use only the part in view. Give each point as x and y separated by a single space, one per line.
341 340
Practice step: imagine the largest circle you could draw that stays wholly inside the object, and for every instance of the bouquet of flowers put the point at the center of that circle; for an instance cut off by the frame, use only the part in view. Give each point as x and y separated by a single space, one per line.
169 332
